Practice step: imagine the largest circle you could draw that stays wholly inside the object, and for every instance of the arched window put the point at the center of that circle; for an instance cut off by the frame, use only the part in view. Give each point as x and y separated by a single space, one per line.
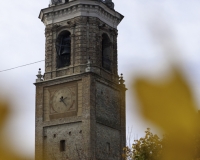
106 52
63 49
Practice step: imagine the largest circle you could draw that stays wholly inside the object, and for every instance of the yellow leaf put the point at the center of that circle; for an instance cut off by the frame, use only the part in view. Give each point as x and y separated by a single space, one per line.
170 106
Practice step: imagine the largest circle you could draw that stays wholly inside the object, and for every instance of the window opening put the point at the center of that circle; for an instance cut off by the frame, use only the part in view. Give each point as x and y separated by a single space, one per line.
63 49
108 147
106 52
62 145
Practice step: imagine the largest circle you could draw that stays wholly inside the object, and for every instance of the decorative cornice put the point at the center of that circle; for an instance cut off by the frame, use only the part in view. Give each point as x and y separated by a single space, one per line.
80 8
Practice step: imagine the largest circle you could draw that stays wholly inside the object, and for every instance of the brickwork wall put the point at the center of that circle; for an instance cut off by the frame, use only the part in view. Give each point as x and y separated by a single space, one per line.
107 106
107 143
72 134
110 113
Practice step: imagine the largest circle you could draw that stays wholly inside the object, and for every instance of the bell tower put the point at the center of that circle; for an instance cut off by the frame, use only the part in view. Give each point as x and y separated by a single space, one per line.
80 99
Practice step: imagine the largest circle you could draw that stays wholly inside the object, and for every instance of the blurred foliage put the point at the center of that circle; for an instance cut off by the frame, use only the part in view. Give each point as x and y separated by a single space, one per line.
147 148
169 104
197 147
152 147
5 152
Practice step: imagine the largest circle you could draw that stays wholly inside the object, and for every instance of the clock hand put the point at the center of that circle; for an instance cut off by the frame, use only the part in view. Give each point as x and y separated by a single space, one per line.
64 103
65 98
62 100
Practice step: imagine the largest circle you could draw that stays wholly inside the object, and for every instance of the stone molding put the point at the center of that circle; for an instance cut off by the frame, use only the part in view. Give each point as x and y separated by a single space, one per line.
77 77
77 8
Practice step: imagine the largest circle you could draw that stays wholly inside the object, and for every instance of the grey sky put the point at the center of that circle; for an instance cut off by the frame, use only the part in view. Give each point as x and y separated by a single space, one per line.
141 49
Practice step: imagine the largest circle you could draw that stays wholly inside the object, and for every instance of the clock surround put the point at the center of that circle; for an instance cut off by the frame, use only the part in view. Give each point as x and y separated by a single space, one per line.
55 108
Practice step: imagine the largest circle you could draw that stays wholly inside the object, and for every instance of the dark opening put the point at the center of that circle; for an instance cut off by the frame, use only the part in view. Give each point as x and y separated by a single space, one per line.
106 52
66 1
108 147
54 136
62 145
63 49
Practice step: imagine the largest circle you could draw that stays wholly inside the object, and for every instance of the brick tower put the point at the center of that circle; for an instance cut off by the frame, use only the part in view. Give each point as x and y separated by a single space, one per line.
80 99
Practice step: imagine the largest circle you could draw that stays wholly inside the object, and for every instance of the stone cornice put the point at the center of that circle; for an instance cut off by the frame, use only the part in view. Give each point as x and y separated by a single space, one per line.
78 8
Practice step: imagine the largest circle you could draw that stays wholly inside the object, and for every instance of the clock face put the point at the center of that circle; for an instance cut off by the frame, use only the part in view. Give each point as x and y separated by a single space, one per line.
63 101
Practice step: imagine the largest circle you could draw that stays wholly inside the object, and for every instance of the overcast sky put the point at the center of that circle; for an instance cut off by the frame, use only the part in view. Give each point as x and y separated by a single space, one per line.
149 27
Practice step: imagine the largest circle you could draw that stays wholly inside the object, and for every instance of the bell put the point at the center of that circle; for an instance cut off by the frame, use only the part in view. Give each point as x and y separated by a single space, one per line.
66 50
66 46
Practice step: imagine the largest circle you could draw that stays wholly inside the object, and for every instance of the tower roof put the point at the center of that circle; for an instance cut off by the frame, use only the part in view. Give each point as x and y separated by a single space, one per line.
108 3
